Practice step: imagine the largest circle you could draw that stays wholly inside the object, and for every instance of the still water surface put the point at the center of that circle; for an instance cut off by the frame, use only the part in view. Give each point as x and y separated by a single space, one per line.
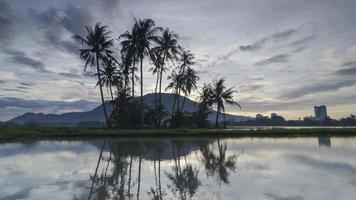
273 169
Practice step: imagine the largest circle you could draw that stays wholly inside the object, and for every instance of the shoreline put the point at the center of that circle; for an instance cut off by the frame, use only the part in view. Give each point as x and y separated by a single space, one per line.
18 134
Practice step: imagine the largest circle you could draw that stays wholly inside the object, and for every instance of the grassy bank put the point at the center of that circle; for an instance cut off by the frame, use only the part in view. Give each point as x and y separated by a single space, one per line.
10 133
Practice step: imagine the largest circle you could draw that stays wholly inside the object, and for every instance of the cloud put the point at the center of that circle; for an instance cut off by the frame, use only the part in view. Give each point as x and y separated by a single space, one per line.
346 72
280 58
7 23
60 25
326 86
278 197
70 75
275 37
20 57
302 40
27 84
284 35
46 104
349 70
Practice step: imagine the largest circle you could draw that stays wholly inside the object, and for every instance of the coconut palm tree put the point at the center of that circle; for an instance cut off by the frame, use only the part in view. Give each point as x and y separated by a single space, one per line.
158 66
98 46
189 83
176 82
168 48
129 51
220 96
146 33
109 76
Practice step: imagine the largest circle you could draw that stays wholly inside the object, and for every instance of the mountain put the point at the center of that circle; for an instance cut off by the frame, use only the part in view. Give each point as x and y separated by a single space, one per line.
96 115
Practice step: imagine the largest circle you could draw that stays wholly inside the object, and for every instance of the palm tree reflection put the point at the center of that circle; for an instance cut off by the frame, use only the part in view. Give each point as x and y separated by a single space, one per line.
119 160
184 181
219 165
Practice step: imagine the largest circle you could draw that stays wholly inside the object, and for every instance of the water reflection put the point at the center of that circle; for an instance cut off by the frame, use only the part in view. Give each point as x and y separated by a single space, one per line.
114 181
324 141
171 168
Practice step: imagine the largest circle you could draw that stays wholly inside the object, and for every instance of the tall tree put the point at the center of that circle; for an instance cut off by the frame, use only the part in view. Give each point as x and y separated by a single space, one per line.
147 35
158 66
190 79
109 76
220 96
168 48
98 46
129 51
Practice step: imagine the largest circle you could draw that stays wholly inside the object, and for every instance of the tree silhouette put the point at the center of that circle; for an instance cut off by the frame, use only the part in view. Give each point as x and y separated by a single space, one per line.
168 48
221 95
129 51
109 76
146 33
98 44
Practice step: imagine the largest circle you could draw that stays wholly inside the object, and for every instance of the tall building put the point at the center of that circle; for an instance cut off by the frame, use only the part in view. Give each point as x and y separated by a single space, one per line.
320 113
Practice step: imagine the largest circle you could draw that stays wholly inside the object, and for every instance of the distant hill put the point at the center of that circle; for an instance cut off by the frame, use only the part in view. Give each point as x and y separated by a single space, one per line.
96 115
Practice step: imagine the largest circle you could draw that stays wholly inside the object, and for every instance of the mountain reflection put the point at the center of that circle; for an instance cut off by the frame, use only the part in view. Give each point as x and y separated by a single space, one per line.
126 168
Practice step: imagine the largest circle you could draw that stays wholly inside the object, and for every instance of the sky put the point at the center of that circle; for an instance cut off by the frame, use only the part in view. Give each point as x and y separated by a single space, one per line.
282 56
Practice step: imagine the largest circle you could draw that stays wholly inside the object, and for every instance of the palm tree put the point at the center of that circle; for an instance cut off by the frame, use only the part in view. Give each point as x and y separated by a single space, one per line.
189 82
146 34
221 95
98 44
176 82
129 52
168 48
158 66
109 76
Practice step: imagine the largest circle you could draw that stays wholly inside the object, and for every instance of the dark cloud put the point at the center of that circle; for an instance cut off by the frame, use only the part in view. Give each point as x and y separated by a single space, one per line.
346 72
44 104
20 57
349 63
276 37
322 87
349 70
27 84
59 23
302 41
70 75
7 23
22 87
13 90
284 35
279 197
2 81
280 58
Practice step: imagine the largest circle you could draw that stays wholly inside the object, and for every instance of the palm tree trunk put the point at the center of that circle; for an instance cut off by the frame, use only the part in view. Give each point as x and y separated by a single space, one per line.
139 178
96 171
160 94
156 106
217 117
142 114
174 104
133 81
178 98
112 96
101 92
160 99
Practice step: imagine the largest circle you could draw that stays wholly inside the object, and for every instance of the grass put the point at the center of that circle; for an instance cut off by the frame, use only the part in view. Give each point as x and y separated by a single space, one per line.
13 134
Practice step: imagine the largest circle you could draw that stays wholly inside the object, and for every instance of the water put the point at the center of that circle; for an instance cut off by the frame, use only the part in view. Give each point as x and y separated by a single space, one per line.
270 168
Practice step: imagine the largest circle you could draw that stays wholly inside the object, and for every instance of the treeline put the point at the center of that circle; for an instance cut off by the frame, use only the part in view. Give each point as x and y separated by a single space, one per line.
120 71
280 121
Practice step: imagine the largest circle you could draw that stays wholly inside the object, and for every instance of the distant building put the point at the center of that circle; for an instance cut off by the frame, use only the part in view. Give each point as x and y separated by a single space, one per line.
320 113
